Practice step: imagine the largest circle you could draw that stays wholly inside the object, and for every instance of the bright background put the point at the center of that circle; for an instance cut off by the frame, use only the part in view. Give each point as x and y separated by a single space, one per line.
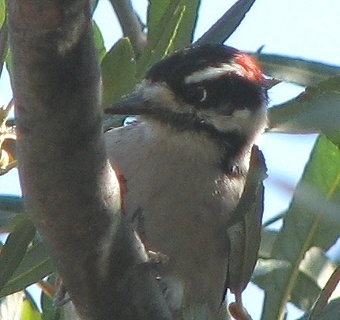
298 28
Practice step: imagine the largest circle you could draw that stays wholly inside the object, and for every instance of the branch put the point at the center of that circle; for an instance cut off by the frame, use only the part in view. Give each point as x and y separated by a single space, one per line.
70 190
130 24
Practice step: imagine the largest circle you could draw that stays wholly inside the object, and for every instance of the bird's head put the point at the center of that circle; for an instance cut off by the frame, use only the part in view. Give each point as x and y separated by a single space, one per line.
211 89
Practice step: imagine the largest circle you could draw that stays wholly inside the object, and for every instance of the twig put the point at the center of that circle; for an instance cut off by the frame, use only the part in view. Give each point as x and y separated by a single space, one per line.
130 23
273 219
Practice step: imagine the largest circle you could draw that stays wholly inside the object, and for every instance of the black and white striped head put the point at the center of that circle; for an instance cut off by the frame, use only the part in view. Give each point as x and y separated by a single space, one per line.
211 89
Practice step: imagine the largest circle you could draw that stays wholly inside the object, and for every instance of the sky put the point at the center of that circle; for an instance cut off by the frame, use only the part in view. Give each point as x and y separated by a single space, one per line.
298 28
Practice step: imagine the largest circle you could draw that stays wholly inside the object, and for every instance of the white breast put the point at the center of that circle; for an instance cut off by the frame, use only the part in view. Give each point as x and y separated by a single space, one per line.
186 201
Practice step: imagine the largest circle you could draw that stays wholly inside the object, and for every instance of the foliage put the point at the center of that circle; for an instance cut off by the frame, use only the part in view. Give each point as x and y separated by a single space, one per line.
286 268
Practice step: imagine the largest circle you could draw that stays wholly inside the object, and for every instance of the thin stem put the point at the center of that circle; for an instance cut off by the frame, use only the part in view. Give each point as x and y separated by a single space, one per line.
325 294
130 23
274 219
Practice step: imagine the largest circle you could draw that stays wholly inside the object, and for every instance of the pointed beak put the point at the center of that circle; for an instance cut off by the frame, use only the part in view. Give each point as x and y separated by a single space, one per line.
270 83
134 104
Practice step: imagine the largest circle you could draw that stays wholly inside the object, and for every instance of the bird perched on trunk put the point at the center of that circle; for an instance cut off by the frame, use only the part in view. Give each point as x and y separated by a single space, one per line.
185 163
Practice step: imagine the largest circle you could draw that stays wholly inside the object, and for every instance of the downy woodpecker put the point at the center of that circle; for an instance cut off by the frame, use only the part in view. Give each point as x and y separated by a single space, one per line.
185 163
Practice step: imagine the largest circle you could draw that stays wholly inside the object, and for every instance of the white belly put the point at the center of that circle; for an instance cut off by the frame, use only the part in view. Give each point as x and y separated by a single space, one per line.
182 193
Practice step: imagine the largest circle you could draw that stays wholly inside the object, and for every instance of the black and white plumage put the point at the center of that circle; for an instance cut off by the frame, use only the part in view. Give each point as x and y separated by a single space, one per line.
185 164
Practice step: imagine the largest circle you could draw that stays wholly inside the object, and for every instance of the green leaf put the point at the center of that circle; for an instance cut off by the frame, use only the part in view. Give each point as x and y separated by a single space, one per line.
3 46
330 312
186 28
99 41
311 276
49 310
268 238
316 110
113 121
10 207
29 312
326 293
36 265
14 249
317 266
118 72
313 219
296 70
156 10
3 34
268 269
269 275
314 271
9 61
161 40
2 11
227 24
305 292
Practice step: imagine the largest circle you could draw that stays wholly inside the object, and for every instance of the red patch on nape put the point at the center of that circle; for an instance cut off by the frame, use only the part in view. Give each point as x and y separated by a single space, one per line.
251 66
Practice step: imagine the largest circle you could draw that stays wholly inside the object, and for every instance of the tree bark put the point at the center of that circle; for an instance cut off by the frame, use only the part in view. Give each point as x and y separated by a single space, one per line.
69 187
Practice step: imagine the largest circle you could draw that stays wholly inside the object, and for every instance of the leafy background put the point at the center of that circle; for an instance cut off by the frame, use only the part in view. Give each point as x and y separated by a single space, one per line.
295 262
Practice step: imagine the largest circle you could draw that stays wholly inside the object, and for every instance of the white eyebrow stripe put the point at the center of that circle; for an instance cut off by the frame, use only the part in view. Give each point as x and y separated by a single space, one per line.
210 73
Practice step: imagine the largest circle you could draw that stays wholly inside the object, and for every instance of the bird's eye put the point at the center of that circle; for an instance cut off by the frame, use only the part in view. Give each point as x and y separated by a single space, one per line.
196 94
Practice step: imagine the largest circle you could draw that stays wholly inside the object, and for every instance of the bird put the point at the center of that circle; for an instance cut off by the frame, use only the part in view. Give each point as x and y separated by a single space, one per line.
184 161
